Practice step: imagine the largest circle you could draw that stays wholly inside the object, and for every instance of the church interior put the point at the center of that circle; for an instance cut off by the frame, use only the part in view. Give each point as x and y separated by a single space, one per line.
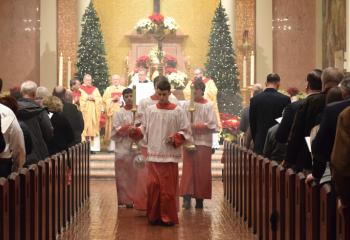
236 45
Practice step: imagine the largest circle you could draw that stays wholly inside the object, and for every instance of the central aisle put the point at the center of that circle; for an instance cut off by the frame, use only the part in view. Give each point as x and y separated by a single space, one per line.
101 219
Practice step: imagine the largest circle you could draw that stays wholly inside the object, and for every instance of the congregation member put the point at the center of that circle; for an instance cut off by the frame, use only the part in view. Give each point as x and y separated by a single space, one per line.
63 135
90 106
37 120
112 101
307 117
74 87
196 174
210 94
166 128
2 140
314 85
70 112
125 172
144 87
323 143
13 154
265 108
274 150
41 93
340 164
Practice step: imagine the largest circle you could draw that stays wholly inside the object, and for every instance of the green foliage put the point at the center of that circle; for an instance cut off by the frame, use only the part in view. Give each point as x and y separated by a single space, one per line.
91 52
221 65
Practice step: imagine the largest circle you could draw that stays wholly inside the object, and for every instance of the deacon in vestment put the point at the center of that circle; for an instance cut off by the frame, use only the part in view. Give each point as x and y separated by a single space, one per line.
112 101
124 134
166 128
90 107
141 186
196 172
210 94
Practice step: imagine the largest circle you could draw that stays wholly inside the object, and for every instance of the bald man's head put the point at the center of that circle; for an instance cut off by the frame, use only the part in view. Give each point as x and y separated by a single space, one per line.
59 92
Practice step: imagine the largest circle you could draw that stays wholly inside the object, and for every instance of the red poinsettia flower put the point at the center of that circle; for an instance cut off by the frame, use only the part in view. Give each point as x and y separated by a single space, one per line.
157 18
143 61
229 122
169 70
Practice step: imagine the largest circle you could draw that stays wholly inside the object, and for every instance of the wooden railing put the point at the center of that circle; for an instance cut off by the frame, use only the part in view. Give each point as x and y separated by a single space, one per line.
276 203
38 202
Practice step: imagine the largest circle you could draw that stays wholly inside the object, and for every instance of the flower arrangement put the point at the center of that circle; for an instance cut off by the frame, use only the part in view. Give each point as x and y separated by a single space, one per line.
156 23
170 61
230 127
153 55
143 61
177 79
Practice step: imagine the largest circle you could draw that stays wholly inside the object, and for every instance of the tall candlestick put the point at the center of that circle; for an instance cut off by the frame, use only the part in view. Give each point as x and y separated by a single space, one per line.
69 71
60 71
244 72
252 68
134 98
127 60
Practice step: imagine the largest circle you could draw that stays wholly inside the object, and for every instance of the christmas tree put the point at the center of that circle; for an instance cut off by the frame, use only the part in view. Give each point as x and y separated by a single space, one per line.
221 65
91 52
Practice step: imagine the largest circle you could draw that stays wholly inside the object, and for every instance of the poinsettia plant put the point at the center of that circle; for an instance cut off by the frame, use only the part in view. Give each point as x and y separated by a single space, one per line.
156 23
230 127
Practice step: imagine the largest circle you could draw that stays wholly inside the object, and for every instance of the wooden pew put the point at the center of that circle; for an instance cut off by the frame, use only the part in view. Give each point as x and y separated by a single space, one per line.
76 180
14 207
265 199
239 180
312 211
245 183
42 200
81 174
60 186
34 206
224 177
300 214
272 213
25 203
231 174
254 196
280 202
87 152
65 190
4 209
249 200
54 169
343 221
259 197
289 204
49 191
327 213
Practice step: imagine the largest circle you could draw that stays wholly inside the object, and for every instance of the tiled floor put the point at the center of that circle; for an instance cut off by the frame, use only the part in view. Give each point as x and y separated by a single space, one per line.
101 219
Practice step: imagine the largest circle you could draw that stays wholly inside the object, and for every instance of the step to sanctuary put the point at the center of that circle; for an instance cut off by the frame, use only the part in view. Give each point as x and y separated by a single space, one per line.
102 165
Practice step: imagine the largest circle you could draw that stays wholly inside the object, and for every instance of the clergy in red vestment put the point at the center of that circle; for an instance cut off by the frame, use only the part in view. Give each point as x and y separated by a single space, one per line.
124 134
196 172
166 127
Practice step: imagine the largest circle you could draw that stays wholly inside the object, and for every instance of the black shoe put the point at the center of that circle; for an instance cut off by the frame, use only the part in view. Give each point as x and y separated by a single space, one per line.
199 203
155 223
167 224
129 205
186 202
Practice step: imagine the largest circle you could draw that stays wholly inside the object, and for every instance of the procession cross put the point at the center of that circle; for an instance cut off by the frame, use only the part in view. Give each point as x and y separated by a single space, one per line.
156 6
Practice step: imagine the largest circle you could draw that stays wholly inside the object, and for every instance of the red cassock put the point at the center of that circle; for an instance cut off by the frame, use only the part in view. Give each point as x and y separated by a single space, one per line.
140 196
165 128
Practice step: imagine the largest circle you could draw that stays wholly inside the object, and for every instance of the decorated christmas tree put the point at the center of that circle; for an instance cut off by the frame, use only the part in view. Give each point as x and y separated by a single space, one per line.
221 65
91 52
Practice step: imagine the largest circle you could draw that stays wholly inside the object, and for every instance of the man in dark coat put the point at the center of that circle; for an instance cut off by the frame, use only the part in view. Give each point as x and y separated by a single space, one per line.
264 109
323 143
306 118
340 161
314 85
70 112
37 120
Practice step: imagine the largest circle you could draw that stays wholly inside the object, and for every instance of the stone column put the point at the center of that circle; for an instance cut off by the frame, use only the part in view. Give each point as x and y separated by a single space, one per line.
319 31
264 40
229 6
81 7
48 44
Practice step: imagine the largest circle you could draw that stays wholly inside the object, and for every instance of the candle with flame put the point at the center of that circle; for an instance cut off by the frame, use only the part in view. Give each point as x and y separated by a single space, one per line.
60 71
69 71
134 98
252 68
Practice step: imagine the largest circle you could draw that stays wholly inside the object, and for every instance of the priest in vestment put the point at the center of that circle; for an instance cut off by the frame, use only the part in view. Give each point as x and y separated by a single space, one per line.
112 101
196 173
141 186
124 134
166 127
90 107
144 87
210 94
